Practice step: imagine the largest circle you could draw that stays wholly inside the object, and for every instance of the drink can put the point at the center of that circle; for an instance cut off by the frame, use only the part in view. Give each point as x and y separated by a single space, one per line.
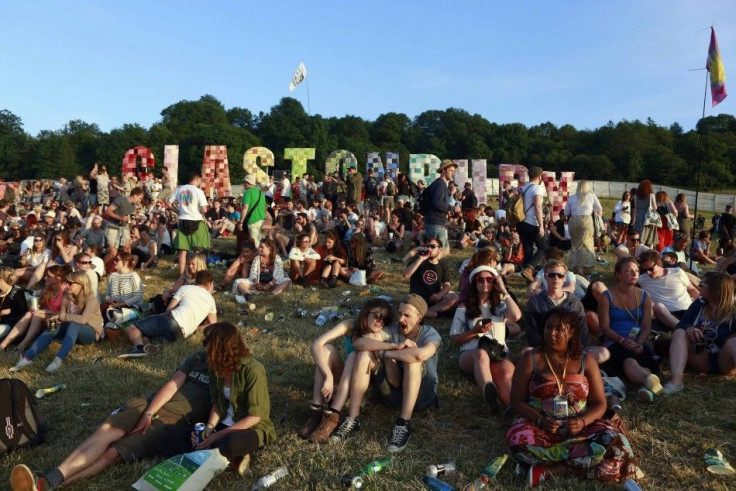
34 303
434 484
199 430
355 482
53 325
436 470
631 485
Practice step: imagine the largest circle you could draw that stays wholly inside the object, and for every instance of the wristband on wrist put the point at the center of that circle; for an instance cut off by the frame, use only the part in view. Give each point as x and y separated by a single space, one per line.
149 414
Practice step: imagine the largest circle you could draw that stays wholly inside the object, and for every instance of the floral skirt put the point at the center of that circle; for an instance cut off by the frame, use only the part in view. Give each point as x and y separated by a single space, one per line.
582 252
600 452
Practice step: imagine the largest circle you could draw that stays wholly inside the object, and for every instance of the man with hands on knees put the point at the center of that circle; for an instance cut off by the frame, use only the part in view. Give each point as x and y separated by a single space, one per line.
406 377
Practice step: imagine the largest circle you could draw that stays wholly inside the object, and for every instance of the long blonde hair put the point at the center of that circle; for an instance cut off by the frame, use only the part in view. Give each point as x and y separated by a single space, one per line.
584 189
83 280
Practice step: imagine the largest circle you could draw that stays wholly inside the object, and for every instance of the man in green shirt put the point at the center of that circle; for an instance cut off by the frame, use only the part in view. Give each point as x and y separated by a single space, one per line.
254 208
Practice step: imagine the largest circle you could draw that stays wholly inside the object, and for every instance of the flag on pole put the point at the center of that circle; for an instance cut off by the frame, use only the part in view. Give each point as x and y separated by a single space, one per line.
717 74
299 75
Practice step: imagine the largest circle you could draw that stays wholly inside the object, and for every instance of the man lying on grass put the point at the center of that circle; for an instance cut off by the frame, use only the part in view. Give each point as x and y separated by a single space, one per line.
189 307
131 434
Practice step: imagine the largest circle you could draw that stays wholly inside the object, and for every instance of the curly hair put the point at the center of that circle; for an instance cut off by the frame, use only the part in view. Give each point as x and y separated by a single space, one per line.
361 322
644 189
568 319
225 348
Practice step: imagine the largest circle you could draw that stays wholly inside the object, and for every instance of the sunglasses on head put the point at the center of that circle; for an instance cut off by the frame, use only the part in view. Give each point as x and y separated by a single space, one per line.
552 274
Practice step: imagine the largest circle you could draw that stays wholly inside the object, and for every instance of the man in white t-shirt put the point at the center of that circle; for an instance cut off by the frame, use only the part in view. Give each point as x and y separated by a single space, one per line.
187 310
286 188
531 230
633 246
193 234
670 288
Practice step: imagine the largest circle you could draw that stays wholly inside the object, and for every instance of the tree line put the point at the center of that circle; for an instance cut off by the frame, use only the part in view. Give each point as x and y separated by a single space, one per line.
624 151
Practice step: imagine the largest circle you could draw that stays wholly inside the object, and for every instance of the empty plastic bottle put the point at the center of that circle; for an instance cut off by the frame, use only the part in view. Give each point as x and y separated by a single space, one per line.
270 479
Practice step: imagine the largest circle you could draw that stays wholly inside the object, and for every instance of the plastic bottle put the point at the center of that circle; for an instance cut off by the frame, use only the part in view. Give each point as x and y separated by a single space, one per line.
376 466
435 484
631 485
489 473
270 479
321 319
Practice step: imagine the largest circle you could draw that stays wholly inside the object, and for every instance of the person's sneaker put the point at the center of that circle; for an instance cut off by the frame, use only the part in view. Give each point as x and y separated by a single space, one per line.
54 365
153 349
399 438
333 281
536 475
136 352
241 464
22 479
653 384
346 428
315 415
326 426
22 363
668 389
324 283
528 274
490 394
508 415
645 396
42 484
613 402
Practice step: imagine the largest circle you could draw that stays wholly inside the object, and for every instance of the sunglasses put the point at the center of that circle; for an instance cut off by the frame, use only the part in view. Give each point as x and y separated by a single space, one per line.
634 239
649 269
84 262
485 279
432 246
378 315
555 275
38 239
71 282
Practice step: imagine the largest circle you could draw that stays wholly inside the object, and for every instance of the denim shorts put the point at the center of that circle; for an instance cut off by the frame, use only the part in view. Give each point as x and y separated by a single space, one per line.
160 327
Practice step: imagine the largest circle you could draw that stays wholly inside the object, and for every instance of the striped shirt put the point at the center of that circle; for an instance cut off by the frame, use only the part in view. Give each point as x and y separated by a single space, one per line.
125 287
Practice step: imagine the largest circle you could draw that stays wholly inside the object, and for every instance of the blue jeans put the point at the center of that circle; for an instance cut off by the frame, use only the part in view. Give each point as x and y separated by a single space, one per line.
438 232
70 334
4 330
160 327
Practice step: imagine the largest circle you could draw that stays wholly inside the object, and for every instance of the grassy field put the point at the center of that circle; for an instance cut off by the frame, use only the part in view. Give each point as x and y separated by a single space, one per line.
669 436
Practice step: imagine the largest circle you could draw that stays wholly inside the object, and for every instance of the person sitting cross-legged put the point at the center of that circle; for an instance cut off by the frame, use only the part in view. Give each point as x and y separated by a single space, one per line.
303 260
189 307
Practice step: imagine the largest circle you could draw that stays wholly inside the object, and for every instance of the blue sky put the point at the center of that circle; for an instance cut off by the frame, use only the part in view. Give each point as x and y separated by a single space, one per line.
579 63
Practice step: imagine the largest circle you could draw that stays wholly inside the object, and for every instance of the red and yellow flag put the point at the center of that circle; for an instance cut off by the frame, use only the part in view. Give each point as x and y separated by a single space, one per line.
717 74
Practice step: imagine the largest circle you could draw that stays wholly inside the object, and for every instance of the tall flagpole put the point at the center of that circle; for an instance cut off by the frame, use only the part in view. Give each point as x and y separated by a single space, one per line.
309 109
697 175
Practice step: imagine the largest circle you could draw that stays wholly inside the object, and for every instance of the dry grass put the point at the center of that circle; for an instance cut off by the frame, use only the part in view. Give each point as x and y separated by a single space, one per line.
669 436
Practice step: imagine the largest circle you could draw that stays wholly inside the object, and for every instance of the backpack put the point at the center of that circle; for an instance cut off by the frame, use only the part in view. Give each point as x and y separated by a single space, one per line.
22 425
515 212
371 186
390 188
425 201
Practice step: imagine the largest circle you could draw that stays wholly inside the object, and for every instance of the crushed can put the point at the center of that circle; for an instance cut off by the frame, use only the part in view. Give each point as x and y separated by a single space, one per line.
199 430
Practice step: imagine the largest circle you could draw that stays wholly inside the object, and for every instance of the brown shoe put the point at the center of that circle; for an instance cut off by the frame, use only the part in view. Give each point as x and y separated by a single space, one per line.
528 274
22 479
315 415
324 429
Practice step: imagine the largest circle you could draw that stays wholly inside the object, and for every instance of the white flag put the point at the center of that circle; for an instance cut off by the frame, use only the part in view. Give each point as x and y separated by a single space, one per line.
299 76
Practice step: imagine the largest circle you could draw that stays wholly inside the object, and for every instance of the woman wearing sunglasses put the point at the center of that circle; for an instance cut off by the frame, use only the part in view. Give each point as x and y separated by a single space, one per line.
479 329
49 305
333 372
35 256
79 321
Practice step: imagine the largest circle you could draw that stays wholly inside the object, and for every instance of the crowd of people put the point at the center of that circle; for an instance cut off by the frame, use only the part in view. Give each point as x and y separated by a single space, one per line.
65 239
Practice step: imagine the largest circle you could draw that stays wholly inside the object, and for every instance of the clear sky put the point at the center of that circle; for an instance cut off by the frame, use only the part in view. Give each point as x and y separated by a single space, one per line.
580 63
